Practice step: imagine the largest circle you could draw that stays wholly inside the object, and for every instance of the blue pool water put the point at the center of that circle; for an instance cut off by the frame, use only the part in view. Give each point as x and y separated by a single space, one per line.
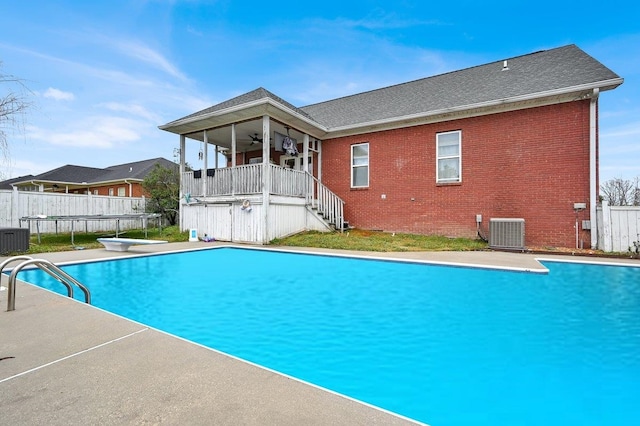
442 345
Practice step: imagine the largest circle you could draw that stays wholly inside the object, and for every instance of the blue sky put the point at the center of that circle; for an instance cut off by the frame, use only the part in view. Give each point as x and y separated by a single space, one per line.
105 74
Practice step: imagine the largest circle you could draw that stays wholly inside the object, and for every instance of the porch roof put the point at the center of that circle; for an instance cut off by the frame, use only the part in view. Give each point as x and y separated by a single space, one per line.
548 76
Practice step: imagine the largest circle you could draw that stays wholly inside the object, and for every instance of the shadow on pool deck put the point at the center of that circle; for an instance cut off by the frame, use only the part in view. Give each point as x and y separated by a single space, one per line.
64 362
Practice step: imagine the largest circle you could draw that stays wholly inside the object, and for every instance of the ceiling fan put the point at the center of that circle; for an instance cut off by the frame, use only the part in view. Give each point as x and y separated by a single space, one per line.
255 139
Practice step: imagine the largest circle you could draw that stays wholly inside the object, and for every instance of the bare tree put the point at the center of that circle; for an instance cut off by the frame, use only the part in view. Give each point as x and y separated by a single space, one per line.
13 104
621 192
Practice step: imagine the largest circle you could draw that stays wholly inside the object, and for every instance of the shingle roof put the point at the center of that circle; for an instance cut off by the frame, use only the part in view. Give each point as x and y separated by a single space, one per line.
6 184
80 174
539 72
254 95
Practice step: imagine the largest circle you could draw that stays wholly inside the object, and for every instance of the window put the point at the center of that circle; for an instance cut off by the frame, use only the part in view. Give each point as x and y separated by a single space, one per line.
296 163
95 192
360 165
121 191
111 192
449 160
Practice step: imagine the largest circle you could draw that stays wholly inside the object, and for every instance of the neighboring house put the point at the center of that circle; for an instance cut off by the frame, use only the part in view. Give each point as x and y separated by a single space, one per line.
515 138
122 180
6 184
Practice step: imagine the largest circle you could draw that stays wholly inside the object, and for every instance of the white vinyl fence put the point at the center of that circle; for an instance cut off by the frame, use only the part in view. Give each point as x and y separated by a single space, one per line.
17 204
618 227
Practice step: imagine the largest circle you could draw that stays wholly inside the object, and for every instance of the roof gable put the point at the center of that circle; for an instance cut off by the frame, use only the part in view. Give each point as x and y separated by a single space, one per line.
247 98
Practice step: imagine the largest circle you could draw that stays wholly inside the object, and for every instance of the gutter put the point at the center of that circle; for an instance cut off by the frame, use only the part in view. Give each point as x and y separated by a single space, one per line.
608 84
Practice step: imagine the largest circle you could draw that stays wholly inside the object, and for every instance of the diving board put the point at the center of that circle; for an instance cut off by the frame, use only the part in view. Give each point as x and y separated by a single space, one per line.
123 244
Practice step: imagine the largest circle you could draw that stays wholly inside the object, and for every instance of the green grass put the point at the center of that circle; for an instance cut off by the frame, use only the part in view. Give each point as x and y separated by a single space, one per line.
379 241
62 241
358 240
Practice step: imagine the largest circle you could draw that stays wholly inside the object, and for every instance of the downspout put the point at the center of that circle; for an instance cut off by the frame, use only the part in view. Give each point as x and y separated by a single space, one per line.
266 178
593 170
130 187
181 170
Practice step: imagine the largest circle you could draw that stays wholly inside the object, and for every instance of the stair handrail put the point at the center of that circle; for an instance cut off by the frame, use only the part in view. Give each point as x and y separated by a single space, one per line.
330 205
51 269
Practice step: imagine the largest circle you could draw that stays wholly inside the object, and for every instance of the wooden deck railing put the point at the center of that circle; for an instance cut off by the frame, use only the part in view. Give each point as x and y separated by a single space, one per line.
247 179
326 202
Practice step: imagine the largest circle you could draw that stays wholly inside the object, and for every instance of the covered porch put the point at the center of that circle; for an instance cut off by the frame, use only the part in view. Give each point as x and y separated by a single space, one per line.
265 188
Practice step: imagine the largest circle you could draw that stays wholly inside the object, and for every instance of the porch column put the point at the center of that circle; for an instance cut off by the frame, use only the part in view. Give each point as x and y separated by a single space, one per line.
233 144
266 179
319 148
182 167
206 164
216 160
305 152
233 157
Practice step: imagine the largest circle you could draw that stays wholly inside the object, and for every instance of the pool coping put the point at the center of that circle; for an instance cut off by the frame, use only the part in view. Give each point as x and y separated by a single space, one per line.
70 363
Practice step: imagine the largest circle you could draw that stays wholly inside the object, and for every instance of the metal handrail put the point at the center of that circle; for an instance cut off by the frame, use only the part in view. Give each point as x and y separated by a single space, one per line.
48 267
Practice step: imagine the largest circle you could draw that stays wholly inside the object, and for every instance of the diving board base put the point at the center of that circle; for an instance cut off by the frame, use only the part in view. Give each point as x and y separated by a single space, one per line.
123 244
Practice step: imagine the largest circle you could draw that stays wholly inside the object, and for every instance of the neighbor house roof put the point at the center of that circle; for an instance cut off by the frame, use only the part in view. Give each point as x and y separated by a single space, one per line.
548 74
137 170
6 184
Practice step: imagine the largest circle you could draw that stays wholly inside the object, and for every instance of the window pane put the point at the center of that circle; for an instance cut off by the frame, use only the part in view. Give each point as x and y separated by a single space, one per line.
361 150
448 169
361 176
447 149
360 161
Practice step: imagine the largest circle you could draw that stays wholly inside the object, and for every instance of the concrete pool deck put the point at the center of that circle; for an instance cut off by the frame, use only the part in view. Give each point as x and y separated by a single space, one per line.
64 362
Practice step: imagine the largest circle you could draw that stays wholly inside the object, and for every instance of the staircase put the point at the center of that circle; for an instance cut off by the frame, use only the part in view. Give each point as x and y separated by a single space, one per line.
326 204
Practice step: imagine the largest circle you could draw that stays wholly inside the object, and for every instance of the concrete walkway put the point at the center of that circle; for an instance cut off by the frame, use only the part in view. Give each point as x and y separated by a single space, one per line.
64 362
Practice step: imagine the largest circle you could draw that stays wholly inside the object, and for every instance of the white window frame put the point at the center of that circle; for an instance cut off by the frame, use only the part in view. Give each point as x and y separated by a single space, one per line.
449 157
110 192
122 191
353 166
298 162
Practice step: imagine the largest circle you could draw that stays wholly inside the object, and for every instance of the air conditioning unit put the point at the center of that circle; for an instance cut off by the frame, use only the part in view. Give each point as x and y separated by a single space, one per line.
14 240
506 233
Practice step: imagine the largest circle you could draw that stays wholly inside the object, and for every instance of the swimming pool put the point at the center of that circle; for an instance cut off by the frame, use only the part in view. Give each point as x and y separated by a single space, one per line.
442 345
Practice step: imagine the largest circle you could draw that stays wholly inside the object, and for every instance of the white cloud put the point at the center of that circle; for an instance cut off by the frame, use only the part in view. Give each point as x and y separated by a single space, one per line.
96 132
146 54
133 109
58 95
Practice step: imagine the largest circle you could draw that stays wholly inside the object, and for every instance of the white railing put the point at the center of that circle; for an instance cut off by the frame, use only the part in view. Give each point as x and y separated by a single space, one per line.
327 203
247 179
289 182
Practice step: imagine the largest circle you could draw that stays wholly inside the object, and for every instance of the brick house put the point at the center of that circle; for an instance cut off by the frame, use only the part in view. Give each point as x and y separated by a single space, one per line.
515 138
121 180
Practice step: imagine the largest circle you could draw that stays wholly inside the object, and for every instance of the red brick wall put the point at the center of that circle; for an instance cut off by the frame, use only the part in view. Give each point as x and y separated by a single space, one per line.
136 188
531 164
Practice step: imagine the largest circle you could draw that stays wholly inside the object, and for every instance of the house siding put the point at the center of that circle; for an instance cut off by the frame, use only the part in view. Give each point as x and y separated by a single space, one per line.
531 164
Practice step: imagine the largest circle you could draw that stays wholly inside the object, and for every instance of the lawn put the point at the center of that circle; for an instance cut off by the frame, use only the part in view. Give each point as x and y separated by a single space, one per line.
62 241
354 239
362 240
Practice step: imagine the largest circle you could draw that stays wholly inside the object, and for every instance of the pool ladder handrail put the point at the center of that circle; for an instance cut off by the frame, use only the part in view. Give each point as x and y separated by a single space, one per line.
47 266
